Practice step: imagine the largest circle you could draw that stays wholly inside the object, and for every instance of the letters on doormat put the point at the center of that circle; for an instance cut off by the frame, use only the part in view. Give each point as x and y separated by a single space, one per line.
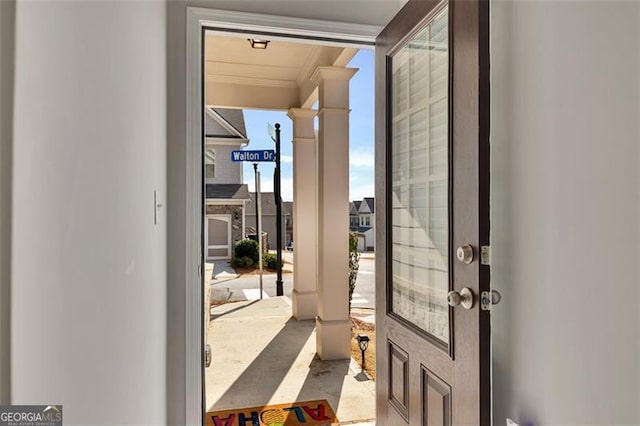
307 413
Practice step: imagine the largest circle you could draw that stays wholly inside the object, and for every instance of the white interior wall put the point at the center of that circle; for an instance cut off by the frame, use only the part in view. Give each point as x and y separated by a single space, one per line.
566 212
88 296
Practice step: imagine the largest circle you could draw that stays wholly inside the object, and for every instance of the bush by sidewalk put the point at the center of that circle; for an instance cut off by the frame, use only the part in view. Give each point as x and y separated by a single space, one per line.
246 249
354 264
271 261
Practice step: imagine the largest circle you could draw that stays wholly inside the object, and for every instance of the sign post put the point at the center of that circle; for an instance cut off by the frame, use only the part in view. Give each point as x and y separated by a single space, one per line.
275 136
258 222
267 155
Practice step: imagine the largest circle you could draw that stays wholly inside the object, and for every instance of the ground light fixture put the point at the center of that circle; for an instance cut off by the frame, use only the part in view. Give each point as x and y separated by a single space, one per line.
258 43
363 342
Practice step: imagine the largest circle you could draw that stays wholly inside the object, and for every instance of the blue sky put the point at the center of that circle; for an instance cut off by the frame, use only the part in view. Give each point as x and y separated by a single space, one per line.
361 135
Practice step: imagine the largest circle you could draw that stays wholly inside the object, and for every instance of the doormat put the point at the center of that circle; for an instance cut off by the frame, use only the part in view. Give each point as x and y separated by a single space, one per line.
307 413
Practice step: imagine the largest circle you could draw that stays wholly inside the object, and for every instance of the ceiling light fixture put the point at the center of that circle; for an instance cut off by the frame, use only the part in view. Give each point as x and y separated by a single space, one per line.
257 43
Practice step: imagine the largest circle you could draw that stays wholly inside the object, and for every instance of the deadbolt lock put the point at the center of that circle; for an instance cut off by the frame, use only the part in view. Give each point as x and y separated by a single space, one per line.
465 253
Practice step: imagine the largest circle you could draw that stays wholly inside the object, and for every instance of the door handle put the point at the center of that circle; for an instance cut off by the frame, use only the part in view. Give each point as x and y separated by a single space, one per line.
464 298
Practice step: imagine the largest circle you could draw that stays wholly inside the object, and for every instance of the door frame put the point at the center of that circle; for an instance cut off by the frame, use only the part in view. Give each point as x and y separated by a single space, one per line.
228 23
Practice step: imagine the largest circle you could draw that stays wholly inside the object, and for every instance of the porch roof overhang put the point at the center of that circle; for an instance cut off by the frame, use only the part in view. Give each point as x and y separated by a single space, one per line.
276 78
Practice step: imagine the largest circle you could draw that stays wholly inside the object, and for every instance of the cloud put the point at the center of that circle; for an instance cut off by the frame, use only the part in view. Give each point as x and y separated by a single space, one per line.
358 192
287 189
359 187
286 158
361 158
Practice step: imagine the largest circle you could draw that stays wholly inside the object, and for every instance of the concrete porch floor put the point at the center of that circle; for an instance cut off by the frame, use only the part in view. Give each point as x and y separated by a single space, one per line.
263 356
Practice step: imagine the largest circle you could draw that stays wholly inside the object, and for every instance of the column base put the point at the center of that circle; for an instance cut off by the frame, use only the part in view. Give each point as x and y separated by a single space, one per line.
333 339
305 304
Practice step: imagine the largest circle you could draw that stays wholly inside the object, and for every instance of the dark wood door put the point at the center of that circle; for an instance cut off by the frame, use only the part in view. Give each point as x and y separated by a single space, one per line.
432 144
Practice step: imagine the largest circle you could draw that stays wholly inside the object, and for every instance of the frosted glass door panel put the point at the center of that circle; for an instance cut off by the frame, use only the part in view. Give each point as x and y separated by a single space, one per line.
420 179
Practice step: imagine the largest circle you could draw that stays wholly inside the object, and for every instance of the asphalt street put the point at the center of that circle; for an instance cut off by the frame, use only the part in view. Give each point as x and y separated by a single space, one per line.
364 295
226 286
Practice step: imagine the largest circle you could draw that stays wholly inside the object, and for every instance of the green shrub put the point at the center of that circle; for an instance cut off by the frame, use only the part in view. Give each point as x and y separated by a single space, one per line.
270 261
354 264
247 248
242 262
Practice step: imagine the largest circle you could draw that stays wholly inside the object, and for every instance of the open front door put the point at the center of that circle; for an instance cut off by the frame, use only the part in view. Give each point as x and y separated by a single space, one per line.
432 148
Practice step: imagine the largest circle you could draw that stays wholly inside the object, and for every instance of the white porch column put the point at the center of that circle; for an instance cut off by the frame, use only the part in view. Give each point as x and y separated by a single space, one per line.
305 297
332 323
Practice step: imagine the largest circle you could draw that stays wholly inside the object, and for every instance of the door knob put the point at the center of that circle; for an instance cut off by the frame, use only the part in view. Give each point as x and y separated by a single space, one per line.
465 253
464 298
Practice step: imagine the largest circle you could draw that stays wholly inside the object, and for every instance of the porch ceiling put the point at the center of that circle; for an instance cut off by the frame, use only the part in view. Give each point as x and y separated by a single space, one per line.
276 78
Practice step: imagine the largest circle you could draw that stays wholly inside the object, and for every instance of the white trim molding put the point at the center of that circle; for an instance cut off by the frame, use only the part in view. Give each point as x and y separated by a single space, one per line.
194 339
223 141
251 81
310 31
230 24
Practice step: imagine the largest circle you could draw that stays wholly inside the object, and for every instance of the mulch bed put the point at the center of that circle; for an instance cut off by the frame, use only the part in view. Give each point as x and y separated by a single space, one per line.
360 327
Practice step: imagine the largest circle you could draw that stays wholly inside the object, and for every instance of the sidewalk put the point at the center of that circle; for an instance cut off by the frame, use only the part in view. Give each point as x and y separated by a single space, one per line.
262 356
364 314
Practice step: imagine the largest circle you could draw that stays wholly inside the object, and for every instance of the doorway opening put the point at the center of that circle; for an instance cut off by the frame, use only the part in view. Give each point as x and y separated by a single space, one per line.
269 353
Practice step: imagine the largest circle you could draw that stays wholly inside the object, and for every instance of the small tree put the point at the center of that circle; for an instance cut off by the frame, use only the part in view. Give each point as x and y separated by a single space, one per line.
354 264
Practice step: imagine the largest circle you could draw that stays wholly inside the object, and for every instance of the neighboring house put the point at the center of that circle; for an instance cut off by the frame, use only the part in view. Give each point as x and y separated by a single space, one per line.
225 194
287 223
267 200
362 222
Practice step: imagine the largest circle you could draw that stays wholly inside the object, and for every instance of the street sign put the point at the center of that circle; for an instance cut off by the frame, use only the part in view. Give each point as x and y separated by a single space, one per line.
254 156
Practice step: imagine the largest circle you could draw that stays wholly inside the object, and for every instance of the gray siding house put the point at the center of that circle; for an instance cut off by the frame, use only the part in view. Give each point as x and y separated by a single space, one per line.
268 203
225 192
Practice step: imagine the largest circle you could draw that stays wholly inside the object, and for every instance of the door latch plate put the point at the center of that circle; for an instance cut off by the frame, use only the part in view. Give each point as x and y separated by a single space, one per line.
485 255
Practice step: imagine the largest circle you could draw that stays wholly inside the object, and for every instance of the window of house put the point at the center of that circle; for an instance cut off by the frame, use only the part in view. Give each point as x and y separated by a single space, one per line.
209 164
367 221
